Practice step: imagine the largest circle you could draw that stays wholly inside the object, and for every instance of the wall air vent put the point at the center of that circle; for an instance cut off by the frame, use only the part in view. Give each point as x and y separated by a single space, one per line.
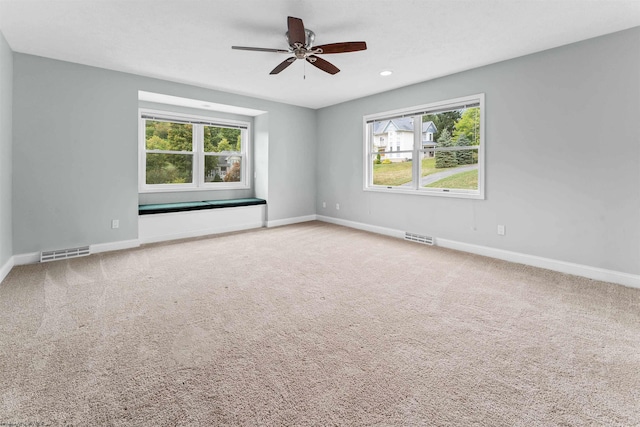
64 254
425 240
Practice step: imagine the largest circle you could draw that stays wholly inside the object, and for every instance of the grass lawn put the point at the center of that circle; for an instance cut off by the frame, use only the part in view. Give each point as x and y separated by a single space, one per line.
429 166
393 174
466 180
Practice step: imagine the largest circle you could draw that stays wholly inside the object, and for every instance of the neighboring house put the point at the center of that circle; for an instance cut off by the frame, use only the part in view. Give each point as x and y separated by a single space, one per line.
428 130
394 138
221 169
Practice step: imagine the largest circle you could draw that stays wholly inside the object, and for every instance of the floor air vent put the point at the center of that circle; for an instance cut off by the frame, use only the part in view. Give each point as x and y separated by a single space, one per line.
64 254
425 240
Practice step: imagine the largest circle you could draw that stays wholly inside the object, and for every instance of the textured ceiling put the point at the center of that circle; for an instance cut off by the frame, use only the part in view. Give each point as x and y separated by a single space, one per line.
190 41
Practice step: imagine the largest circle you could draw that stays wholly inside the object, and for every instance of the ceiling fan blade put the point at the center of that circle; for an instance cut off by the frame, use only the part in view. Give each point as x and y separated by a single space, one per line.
259 49
341 47
296 31
322 64
284 64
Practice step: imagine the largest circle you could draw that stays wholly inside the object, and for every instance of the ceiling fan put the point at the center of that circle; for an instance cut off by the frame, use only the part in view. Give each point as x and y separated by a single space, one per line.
301 47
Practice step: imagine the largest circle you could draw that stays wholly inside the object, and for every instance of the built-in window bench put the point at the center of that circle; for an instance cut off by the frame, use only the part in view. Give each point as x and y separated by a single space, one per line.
168 221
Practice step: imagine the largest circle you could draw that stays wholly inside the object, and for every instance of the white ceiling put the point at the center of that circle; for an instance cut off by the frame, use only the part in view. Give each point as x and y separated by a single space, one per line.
190 41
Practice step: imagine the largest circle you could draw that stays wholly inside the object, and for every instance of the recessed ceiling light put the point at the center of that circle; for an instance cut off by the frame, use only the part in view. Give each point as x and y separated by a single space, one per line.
386 73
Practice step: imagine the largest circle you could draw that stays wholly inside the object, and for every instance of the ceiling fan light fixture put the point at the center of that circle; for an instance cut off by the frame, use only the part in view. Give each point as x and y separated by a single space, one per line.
386 73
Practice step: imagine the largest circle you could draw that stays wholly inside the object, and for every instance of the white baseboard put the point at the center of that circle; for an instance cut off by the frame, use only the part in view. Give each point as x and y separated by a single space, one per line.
362 226
34 257
28 258
114 246
6 268
295 220
595 273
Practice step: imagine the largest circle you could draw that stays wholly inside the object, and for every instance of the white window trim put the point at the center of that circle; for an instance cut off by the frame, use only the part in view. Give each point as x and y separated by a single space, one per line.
416 189
198 155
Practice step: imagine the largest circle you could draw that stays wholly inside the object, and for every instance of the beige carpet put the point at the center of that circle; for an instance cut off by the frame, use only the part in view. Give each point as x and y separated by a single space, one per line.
313 324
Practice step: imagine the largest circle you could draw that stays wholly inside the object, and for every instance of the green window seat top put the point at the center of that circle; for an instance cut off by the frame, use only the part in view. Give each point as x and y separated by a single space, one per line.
195 206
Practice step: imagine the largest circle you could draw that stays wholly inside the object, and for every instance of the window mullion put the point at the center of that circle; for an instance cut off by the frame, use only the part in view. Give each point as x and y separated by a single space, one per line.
368 161
198 155
142 154
417 142
370 154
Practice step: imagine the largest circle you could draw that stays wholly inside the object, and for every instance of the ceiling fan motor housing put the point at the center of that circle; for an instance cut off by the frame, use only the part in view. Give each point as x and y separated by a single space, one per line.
309 37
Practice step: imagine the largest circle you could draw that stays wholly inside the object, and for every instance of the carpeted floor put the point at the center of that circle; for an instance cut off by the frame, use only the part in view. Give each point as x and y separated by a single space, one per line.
313 324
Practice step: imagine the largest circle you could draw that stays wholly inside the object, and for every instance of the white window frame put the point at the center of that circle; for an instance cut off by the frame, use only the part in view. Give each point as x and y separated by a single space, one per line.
417 112
198 123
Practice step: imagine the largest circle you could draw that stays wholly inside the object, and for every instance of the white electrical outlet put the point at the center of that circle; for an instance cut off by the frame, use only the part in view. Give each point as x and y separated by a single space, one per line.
115 223
501 230
338 206
324 204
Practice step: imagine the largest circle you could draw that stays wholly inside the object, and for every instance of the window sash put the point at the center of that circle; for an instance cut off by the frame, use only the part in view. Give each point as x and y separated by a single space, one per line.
171 119
421 111
176 153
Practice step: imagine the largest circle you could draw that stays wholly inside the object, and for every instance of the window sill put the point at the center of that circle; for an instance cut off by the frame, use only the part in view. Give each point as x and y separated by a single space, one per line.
435 192
172 189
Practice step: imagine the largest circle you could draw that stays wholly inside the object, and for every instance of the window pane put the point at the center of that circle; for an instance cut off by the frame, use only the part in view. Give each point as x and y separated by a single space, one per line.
222 168
169 136
456 128
391 173
451 169
461 177
218 139
169 168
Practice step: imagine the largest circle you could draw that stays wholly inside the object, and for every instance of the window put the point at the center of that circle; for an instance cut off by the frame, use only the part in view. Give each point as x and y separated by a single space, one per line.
441 153
179 152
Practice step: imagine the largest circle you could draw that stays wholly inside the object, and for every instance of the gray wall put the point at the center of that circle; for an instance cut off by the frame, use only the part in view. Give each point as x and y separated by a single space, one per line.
6 105
293 188
75 153
261 155
562 150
